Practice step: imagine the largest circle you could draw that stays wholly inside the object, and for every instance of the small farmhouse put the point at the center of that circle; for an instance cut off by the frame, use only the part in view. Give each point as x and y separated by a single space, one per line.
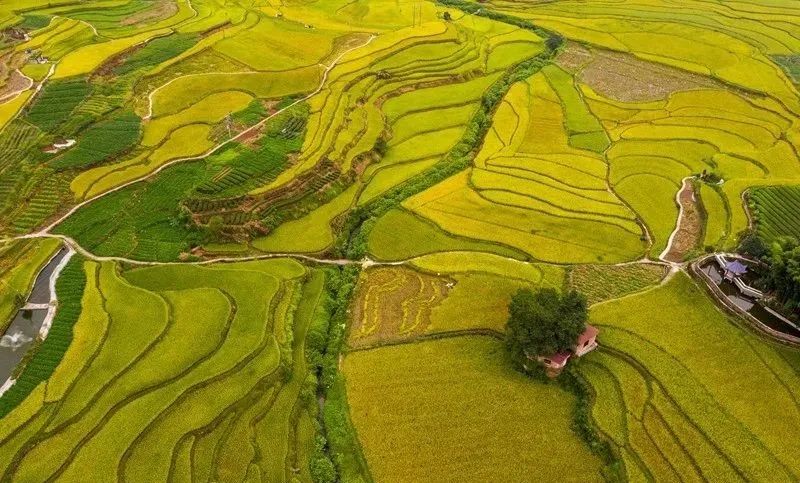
585 343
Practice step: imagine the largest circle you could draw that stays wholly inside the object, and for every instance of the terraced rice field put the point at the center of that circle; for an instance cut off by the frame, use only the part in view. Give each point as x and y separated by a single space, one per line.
471 431
685 393
152 346
298 227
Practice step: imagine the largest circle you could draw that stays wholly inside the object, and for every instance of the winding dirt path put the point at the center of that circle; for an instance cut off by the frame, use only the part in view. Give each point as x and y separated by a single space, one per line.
688 228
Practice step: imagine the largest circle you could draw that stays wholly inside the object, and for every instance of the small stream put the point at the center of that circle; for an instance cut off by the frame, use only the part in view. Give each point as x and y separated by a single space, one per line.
32 320
747 304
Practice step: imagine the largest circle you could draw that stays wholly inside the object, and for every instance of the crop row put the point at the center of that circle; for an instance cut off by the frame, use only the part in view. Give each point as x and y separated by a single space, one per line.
55 102
776 211
602 282
101 142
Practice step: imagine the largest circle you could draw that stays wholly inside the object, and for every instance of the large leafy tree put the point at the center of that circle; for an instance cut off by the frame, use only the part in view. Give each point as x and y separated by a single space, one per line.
544 322
784 272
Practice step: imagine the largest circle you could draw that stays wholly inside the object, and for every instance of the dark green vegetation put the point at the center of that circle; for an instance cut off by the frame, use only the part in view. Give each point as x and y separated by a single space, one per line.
544 322
155 52
791 64
783 274
167 216
336 442
776 210
43 359
56 102
140 221
102 142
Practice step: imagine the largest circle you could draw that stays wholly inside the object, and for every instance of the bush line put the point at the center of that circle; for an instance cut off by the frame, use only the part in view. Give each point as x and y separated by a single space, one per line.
43 358
352 239
337 453
584 427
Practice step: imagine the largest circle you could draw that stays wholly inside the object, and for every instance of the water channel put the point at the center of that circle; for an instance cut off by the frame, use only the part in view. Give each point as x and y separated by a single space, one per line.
33 320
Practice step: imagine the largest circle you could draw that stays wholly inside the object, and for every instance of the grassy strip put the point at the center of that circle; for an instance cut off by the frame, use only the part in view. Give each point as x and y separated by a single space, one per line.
584 427
157 51
337 454
43 358
352 240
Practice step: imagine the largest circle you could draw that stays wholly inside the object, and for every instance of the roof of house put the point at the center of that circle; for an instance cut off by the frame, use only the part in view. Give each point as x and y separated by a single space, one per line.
559 358
736 267
588 334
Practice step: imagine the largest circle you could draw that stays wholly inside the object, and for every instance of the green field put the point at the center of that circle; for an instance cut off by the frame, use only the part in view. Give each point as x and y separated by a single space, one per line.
298 227
775 211
685 393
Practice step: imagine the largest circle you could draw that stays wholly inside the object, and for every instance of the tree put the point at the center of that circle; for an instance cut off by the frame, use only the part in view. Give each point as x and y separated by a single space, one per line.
753 245
544 322
784 272
215 225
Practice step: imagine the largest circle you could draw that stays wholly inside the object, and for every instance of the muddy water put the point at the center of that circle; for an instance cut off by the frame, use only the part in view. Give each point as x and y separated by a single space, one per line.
749 305
24 329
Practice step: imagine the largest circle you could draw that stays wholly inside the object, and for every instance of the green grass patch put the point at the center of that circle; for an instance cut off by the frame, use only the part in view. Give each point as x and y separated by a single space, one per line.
102 142
776 210
56 102
157 51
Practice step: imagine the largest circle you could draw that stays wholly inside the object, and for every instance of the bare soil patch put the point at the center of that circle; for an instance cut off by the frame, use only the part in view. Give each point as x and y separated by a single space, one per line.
394 304
690 225
14 82
623 77
159 11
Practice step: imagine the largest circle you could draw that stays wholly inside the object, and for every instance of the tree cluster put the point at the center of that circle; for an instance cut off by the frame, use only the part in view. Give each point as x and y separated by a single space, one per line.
544 322
783 276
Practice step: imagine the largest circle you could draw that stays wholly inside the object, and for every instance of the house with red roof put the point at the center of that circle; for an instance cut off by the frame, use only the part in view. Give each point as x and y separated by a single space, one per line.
555 363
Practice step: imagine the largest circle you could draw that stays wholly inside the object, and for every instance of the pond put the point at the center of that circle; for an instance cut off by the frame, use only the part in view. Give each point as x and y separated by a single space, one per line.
29 321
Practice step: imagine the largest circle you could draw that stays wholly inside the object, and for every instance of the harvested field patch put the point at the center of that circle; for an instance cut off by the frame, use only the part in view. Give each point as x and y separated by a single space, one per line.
689 228
624 77
159 10
394 304
607 282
